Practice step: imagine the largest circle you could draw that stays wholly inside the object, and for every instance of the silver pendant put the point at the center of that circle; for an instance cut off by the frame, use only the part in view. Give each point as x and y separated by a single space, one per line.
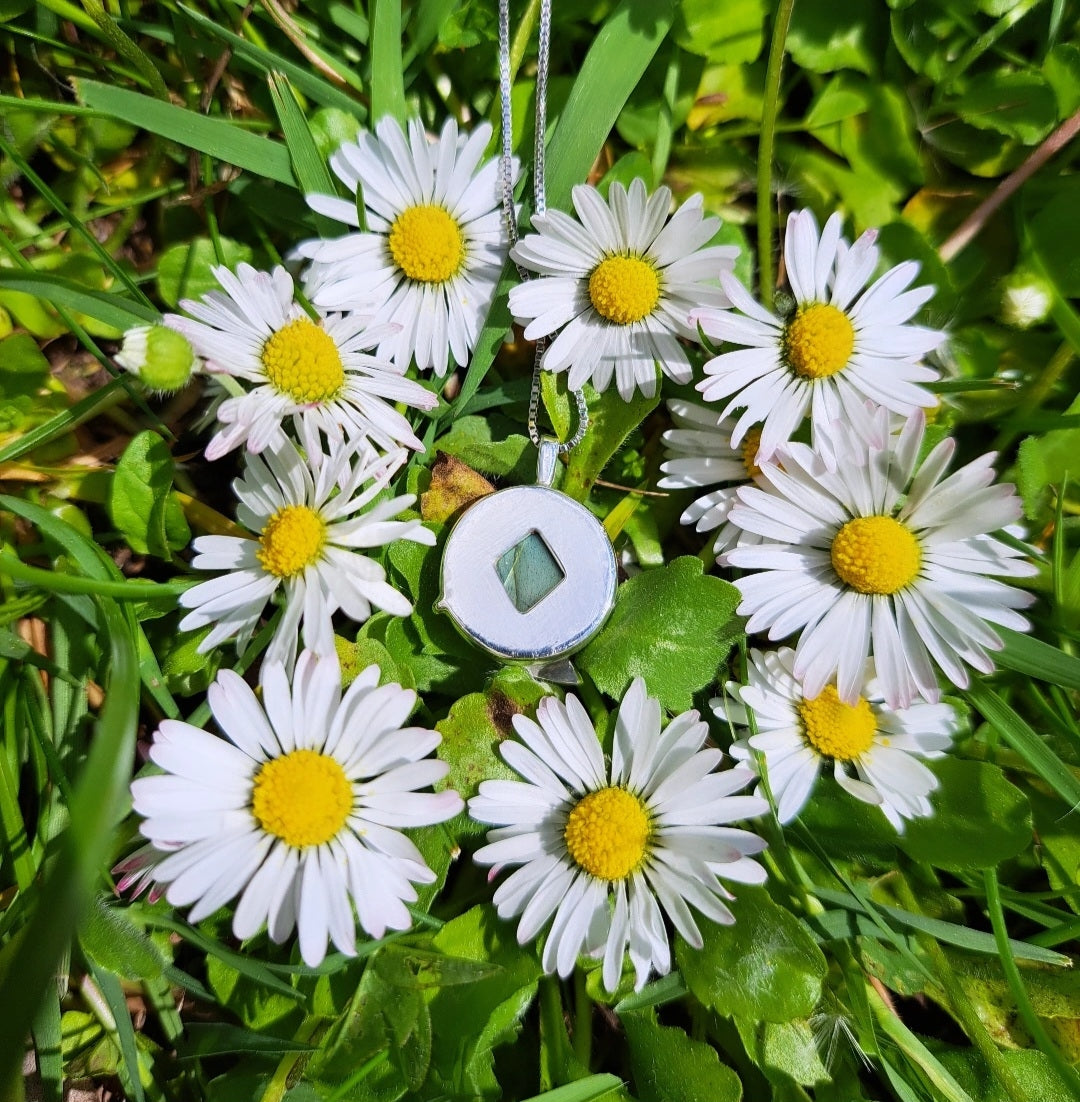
528 574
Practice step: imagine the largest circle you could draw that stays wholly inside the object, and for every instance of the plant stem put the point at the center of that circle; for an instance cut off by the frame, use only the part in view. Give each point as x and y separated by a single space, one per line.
1024 1008
765 150
552 1034
583 1015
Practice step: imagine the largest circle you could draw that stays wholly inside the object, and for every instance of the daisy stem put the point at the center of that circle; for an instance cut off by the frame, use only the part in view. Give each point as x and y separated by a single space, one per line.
1024 1008
583 1014
765 150
552 1034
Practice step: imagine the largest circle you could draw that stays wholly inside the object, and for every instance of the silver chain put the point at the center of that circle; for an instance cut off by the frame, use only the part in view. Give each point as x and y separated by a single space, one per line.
539 190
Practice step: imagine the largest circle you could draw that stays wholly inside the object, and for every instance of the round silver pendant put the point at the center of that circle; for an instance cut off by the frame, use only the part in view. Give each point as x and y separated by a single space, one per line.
528 574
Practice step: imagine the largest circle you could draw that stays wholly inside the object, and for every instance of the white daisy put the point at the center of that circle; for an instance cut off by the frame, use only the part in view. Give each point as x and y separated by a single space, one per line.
876 558
841 346
619 282
699 453
314 371
797 735
434 245
605 850
300 811
309 534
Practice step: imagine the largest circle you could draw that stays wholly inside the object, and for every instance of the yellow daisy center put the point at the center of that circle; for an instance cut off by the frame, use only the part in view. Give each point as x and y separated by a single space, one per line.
303 798
291 541
426 243
818 341
835 729
751 443
876 555
302 361
624 289
607 833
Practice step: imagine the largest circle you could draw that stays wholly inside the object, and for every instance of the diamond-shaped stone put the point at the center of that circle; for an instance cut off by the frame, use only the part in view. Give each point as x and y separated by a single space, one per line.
529 571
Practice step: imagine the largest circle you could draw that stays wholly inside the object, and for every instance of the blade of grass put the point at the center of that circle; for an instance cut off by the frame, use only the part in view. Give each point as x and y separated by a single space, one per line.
246 966
109 309
1026 1011
226 141
617 58
1021 738
76 224
266 61
110 394
387 72
126 48
99 797
308 163
584 1090
915 1050
109 986
130 590
615 63
977 941
48 1039
1037 659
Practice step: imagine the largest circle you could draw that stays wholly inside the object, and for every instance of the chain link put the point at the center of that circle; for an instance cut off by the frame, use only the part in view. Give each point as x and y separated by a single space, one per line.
539 190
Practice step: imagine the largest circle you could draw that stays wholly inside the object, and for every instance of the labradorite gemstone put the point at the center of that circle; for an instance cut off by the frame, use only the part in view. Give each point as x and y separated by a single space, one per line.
529 571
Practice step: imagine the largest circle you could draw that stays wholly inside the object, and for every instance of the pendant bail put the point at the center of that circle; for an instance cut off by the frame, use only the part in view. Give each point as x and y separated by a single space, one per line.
547 457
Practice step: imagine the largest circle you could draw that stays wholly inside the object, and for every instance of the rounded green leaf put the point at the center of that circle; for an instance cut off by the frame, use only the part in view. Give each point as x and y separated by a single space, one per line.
767 967
979 819
673 626
669 1066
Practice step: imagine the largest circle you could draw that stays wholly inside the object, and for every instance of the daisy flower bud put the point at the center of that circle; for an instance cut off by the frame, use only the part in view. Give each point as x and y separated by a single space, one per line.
160 356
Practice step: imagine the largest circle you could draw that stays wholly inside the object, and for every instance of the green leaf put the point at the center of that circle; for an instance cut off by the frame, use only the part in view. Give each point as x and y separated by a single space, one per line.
1062 71
221 1038
142 503
1032 1069
472 732
670 1067
732 33
20 355
673 626
787 1048
226 141
469 1022
767 967
611 420
827 35
471 439
184 271
979 819
1018 105
1054 233
111 939
356 657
